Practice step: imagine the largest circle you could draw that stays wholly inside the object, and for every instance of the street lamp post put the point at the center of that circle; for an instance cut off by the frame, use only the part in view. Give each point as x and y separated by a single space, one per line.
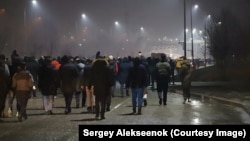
34 2
114 26
25 30
205 44
77 29
184 43
192 40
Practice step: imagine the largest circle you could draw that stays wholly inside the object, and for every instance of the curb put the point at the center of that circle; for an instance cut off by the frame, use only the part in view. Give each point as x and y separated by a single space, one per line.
218 99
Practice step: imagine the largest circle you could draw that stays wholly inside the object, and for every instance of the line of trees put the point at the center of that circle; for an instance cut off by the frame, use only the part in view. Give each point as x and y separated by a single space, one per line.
229 41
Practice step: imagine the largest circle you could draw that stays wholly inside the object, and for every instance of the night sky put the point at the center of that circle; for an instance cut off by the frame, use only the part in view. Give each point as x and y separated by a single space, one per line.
159 18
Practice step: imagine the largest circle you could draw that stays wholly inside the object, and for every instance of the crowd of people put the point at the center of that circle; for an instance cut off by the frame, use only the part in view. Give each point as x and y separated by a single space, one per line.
92 82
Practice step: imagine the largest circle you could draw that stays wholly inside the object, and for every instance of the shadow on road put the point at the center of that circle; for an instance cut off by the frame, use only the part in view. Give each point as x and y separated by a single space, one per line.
87 119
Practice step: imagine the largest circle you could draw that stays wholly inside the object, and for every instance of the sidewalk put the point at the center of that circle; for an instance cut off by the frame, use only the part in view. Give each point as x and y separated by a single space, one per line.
219 91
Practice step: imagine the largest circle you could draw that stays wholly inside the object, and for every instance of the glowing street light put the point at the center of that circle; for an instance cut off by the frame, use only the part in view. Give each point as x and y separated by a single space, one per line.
34 2
142 29
116 23
84 16
78 24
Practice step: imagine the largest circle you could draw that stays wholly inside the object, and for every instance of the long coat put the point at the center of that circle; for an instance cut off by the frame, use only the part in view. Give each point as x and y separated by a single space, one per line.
68 74
48 80
101 78
124 67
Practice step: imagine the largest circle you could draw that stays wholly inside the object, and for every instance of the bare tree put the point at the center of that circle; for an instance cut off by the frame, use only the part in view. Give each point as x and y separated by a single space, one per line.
227 41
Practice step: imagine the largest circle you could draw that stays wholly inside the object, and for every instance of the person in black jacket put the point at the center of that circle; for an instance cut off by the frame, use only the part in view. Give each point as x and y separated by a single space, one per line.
86 86
68 74
102 81
137 81
48 83
5 82
34 67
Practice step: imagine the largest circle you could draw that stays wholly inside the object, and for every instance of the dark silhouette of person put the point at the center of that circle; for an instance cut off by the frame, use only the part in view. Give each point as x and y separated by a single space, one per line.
102 81
162 79
68 74
185 76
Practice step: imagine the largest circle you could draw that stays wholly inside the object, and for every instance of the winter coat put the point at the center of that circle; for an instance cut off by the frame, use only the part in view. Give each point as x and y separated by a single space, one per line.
101 78
185 74
22 81
137 76
48 80
68 74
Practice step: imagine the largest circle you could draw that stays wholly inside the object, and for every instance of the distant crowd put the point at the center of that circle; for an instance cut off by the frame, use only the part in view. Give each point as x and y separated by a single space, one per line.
90 81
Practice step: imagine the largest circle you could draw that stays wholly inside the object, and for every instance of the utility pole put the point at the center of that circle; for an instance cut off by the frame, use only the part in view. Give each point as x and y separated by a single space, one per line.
192 40
25 29
205 45
184 43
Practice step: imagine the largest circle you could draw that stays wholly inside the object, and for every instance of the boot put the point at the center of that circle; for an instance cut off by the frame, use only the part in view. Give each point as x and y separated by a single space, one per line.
127 93
97 116
108 107
102 115
139 111
134 110
185 99
93 109
89 109
160 101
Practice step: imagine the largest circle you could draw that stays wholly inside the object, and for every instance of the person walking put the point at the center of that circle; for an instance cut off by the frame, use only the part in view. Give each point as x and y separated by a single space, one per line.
102 81
124 66
145 64
172 70
22 83
5 81
34 67
162 79
86 86
137 81
48 83
79 92
13 68
68 74
185 76
113 66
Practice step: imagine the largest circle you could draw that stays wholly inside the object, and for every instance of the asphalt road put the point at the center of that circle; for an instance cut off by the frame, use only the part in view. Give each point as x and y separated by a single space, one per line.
41 127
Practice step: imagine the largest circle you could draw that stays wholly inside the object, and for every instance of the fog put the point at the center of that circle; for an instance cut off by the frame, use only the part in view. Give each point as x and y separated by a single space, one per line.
56 27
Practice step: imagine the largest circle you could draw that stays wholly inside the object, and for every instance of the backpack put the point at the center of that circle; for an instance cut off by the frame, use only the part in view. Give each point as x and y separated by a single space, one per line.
163 69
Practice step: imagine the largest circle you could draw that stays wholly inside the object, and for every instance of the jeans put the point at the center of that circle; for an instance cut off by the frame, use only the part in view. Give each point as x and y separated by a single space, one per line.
137 97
